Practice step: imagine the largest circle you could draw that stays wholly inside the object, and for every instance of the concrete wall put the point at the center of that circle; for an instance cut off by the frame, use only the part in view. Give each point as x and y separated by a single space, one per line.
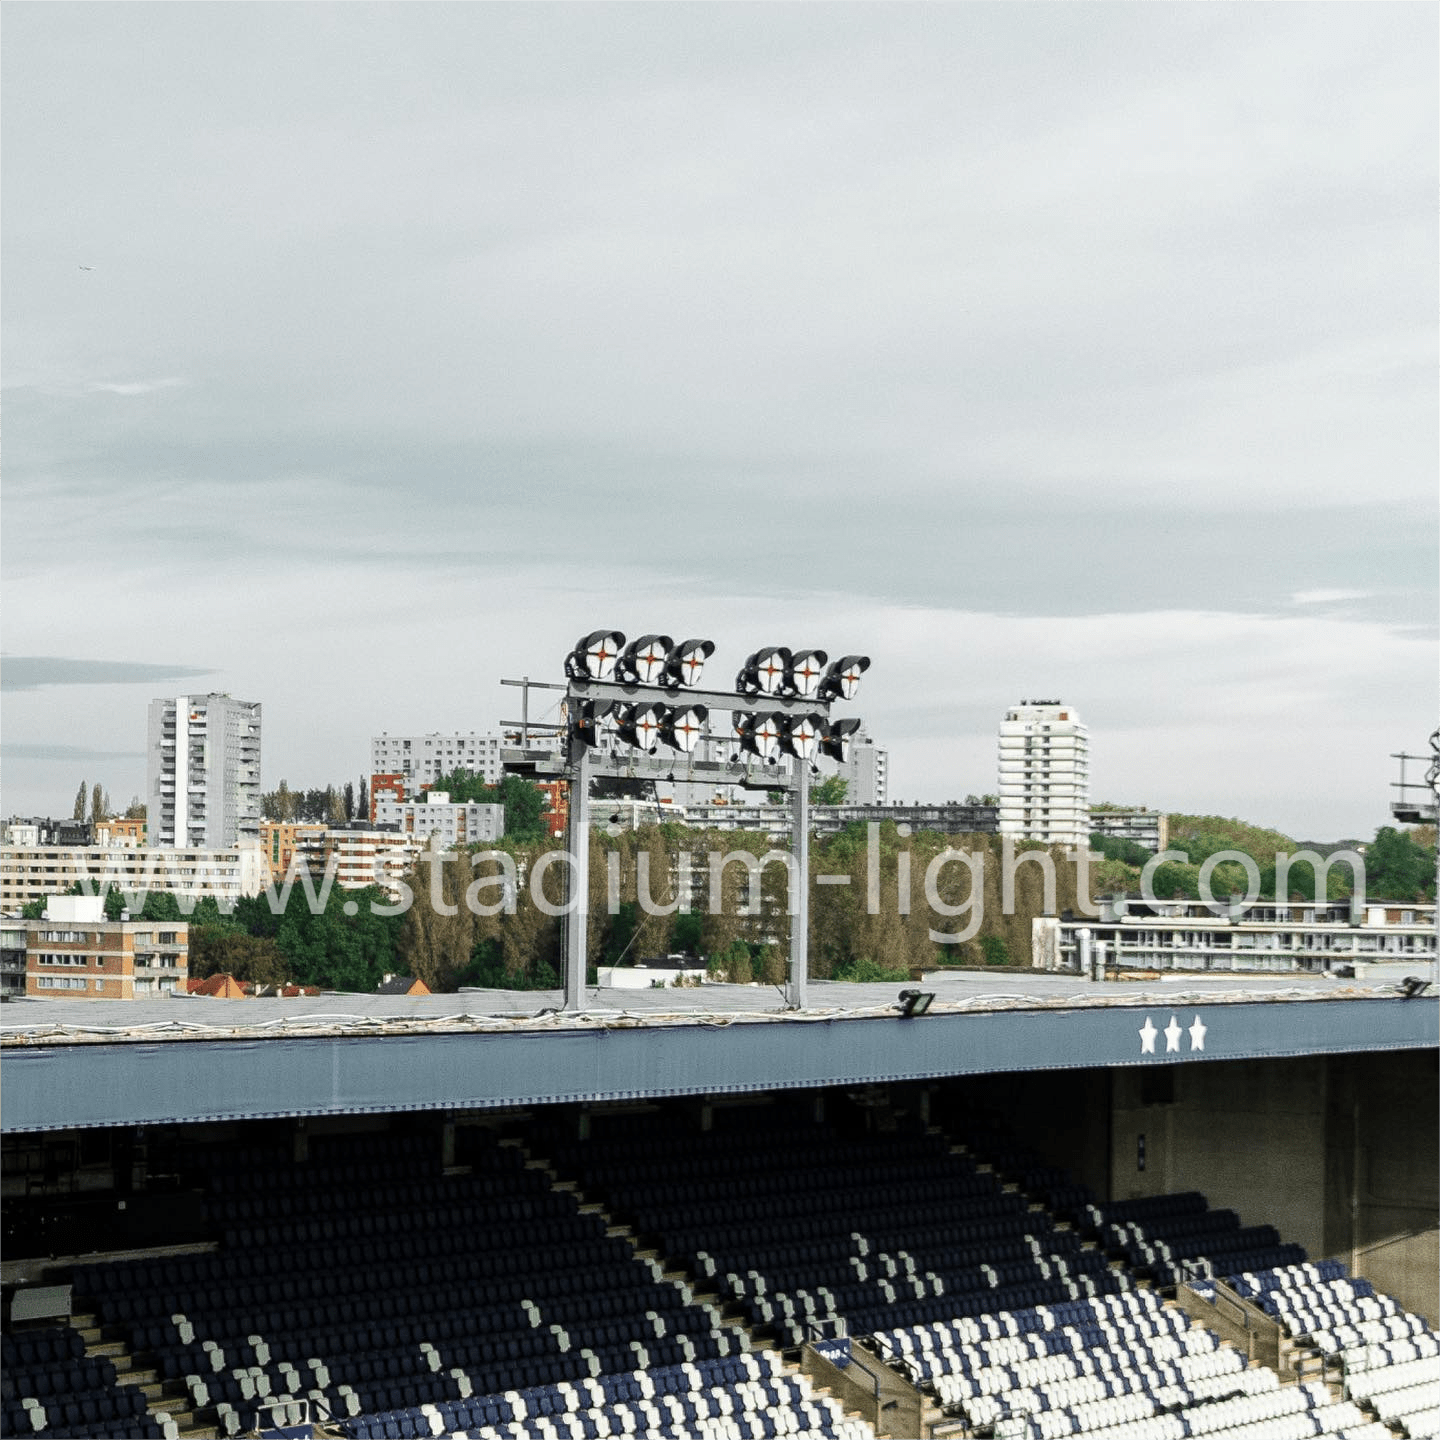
1381 1123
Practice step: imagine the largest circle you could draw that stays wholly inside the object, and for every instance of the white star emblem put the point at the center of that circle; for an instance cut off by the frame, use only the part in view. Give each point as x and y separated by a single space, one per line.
1147 1037
1197 1034
1172 1035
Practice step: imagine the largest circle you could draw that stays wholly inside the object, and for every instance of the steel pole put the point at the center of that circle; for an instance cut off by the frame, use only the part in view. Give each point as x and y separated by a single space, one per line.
800 849
577 909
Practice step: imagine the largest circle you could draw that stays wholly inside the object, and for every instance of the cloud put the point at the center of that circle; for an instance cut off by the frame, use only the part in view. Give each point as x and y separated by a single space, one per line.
32 672
65 753
133 387
1328 597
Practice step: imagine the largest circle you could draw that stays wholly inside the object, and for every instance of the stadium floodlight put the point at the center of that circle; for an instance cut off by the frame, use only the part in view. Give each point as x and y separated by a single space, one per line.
805 672
800 735
764 672
682 727
686 661
585 720
594 656
759 734
835 742
915 1002
643 661
842 679
639 725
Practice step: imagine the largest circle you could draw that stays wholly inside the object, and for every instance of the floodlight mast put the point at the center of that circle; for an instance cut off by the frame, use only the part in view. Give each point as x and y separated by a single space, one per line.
792 693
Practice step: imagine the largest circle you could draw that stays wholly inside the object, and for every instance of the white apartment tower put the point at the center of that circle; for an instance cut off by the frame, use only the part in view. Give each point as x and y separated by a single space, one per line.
423 759
203 783
1044 773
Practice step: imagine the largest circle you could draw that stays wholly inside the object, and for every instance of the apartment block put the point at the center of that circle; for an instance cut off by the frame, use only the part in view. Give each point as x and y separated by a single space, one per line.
75 953
1044 773
423 759
203 785
1331 937
32 872
439 823
1150 828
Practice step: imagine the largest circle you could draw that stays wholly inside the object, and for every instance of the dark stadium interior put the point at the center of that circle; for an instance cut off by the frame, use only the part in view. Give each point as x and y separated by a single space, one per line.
371 1266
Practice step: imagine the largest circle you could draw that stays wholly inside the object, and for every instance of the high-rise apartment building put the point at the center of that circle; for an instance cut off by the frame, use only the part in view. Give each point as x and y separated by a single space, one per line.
1044 773
203 785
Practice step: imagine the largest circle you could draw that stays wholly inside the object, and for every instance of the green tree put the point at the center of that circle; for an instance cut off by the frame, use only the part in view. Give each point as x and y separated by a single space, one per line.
219 951
78 812
99 804
829 791
1396 868
135 810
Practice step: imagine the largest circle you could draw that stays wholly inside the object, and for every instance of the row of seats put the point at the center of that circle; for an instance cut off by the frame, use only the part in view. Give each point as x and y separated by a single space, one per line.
748 1398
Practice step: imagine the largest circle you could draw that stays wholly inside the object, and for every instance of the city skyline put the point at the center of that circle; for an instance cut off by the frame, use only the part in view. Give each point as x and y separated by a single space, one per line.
357 358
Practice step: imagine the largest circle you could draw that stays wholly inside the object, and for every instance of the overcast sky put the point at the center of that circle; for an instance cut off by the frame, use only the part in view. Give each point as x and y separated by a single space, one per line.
357 356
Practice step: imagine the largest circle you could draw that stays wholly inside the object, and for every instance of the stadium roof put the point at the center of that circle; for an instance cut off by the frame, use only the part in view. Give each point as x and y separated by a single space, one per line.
78 1063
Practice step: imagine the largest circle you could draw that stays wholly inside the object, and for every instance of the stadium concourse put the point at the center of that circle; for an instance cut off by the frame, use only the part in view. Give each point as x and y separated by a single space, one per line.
1045 1207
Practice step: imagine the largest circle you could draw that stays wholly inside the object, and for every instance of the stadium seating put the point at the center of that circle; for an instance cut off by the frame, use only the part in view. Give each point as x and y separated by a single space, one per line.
49 1385
810 1231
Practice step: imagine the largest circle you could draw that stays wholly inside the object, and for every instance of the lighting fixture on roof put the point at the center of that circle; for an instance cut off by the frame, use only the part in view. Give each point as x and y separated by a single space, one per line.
639 725
594 656
586 716
764 672
643 661
915 1002
681 727
806 670
686 661
842 679
800 735
759 734
1413 986
836 740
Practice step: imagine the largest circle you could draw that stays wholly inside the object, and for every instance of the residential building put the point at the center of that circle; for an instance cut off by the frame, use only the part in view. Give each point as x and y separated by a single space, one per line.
442 824
121 830
49 832
1149 828
1044 773
203 786
387 787
12 958
363 855
1331 937
282 840
74 953
423 759
31 872
866 773
951 818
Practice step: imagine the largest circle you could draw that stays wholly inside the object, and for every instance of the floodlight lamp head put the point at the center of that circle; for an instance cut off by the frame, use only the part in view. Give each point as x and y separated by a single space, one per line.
643 661
806 670
682 727
594 655
585 724
915 1002
836 739
759 735
685 663
639 726
800 735
842 679
764 672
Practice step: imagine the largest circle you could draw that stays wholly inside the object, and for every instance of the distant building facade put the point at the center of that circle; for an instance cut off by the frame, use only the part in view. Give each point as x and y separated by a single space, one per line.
203 785
75 953
1044 773
423 759
1330 937
32 872
446 824
1150 828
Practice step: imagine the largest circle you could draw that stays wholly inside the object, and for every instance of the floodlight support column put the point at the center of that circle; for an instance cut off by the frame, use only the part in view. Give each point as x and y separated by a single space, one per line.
577 907
800 919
